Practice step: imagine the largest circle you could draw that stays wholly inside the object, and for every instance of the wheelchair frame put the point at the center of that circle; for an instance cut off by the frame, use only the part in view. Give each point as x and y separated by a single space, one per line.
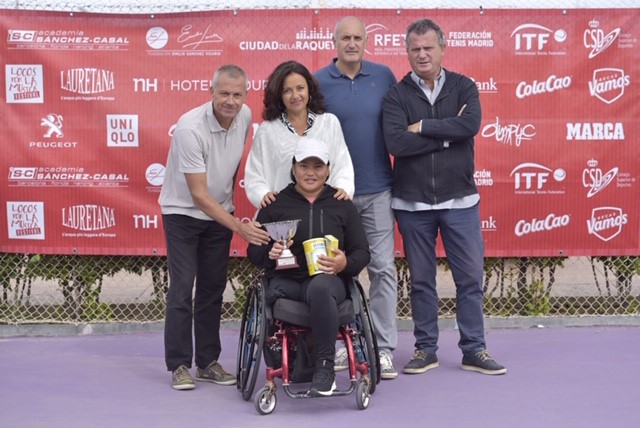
358 337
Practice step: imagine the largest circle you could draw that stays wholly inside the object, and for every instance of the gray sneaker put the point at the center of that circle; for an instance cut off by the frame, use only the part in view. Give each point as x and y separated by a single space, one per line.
181 379
341 360
387 371
421 362
482 362
216 374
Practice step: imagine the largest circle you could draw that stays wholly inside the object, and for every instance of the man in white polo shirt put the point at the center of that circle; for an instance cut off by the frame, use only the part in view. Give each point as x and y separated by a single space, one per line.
197 212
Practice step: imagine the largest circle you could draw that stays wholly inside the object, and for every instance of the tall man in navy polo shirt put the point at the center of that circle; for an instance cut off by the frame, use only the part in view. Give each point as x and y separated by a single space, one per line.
353 90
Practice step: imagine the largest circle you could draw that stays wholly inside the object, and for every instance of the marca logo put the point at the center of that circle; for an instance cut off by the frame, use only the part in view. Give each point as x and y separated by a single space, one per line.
595 39
595 131
608 84
606 222
594 179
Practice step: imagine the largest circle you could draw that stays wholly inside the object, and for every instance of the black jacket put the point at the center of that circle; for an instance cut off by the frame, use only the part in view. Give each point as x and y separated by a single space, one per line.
325 216
424 170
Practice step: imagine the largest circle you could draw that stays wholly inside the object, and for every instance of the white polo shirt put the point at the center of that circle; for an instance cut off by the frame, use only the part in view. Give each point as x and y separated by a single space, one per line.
199 144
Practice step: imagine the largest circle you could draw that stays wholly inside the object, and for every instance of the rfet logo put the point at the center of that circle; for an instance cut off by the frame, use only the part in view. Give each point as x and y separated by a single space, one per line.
606 222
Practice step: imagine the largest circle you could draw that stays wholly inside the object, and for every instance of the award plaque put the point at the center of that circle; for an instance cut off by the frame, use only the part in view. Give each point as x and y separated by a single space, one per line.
283 231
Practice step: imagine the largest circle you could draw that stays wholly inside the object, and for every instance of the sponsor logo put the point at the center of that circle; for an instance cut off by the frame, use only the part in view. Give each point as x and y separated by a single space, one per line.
547 224
24 84
608 84
594 179
312 39
25 220
122 130
489 224
551 84
52 123
533 179
190 41
65 40
511 134
88 218
606 222
487 86
595 131
157 38
155 177
145 221
483 178
382 42
595 39
62 176
535 39
87 81
470 39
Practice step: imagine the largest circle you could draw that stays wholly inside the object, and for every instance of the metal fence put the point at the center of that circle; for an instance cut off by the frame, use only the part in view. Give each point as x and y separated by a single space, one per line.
78 289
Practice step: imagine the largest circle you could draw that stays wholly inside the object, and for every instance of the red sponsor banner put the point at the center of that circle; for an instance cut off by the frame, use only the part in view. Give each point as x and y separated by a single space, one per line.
90 102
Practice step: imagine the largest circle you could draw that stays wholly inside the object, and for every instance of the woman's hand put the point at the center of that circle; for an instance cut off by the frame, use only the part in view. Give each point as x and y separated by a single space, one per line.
278 247
341 194
268 198
333 265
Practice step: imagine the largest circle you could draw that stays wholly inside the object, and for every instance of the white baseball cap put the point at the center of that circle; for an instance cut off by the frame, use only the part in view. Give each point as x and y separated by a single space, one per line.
311 147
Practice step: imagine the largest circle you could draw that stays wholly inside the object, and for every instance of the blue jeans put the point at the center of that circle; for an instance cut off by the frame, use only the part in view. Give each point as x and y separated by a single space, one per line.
464 247
197 250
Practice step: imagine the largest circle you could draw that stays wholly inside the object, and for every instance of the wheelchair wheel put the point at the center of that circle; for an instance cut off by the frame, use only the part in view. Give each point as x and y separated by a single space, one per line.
366 339
265 401
363 394
251 342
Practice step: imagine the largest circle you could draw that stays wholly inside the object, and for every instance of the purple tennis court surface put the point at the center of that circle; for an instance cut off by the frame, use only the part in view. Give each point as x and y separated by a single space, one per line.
557 377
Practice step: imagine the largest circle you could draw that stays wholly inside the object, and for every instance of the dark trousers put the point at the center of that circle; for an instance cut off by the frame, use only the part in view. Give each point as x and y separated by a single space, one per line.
197 252
323 293
464 247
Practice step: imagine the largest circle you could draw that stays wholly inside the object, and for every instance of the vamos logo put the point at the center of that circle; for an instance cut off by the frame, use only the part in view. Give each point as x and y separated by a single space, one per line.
535 39
532 179
88 218
552 84
606 222
512 134
595 131
608 84
594 179
547 224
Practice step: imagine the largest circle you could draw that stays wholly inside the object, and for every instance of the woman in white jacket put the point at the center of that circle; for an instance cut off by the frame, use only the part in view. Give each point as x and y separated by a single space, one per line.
293 111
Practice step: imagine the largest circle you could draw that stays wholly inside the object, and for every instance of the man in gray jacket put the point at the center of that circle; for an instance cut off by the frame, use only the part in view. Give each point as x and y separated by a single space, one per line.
429 120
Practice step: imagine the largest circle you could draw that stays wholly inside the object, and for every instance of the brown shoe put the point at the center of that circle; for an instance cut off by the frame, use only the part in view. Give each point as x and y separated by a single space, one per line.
216 374
181 379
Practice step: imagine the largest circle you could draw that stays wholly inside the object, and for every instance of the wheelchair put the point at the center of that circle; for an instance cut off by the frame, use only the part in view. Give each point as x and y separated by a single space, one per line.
277 330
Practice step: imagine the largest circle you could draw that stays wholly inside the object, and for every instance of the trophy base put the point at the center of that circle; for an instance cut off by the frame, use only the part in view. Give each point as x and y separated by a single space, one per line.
286 263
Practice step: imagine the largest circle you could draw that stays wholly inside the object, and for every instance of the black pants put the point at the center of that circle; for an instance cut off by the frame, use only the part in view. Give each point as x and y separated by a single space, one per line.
197 250
323 293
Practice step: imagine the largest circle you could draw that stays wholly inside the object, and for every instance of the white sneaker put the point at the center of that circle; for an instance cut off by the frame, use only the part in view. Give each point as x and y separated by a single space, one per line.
341 360
387 371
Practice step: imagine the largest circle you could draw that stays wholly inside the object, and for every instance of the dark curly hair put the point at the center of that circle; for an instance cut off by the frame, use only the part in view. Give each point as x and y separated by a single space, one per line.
273 105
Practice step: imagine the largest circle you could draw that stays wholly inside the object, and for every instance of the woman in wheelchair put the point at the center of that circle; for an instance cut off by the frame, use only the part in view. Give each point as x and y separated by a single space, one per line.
310 200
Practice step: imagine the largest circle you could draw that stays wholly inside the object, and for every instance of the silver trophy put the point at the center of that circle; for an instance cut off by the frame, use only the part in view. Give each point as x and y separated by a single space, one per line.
283 231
